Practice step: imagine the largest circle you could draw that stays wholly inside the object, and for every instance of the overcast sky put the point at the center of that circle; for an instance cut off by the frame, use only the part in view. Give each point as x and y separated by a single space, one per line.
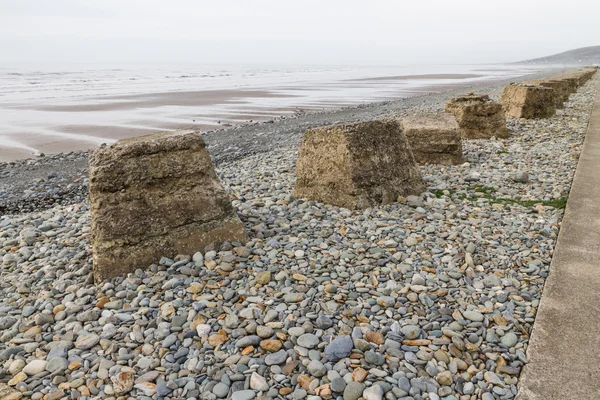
391 32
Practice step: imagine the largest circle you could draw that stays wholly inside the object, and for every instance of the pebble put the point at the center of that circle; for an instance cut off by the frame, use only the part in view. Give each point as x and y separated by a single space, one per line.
353 391
339 348
410 300
35 367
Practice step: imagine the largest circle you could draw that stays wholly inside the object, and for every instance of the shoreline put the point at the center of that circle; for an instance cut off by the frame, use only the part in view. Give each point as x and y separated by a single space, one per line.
55 125
224 145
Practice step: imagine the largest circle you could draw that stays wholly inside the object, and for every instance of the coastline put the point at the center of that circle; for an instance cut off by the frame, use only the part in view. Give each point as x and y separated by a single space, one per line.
77 122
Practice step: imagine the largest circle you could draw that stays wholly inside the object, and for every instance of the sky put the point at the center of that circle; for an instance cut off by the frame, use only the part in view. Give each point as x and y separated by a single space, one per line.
305 32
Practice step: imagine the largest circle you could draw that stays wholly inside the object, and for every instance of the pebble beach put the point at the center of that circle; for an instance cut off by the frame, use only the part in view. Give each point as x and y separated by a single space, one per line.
432 297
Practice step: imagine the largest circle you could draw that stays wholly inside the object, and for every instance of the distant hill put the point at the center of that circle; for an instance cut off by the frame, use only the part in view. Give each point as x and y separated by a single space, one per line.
582 56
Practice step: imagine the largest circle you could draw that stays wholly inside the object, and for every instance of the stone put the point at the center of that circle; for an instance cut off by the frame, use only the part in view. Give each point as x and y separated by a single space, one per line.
356 165
374 392
528 101
316 368
122 382
478 116
338 385
474 316
308 340
359 374
271 345
220 390
203 329
374 337
276 358
16 366
520 177
444 378
57 364
8 393
339 348
509 339
153 196
259 383
35 367
353 391
87 341
411 331
434 138
243 395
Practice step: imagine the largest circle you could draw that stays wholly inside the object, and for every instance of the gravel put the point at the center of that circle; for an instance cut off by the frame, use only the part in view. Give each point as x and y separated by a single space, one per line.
430 297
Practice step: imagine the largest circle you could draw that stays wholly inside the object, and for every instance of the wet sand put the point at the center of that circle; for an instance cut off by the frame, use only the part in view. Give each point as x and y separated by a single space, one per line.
73 124
417 77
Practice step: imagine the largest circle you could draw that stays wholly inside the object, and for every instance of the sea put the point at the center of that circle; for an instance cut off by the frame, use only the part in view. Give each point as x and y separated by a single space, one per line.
51 108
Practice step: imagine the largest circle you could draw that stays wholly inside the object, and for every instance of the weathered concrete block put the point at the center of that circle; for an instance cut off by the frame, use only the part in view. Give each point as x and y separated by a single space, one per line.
561 91
434 138
528 101
478 116
153 196
356 165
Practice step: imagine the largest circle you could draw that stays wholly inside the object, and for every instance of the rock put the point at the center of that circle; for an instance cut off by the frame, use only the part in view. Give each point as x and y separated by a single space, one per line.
473 315
509 339
16 366
57 364
125 207
7 393
276 358
444 378
478 117
528 101
243 395
308 340
359 375
521 177
374 392
262 278
316 368
434 138
258 383
271 345
338 385
339 348
203 329
122 382
323 322
411 331
374 358
87 341
356 165
246 341
220 390
35 367
353 391
147 388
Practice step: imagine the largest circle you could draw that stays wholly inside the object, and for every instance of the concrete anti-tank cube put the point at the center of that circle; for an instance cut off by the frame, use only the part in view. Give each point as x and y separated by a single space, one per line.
356 165
478 116
528 101
434 138
561 91
154 196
